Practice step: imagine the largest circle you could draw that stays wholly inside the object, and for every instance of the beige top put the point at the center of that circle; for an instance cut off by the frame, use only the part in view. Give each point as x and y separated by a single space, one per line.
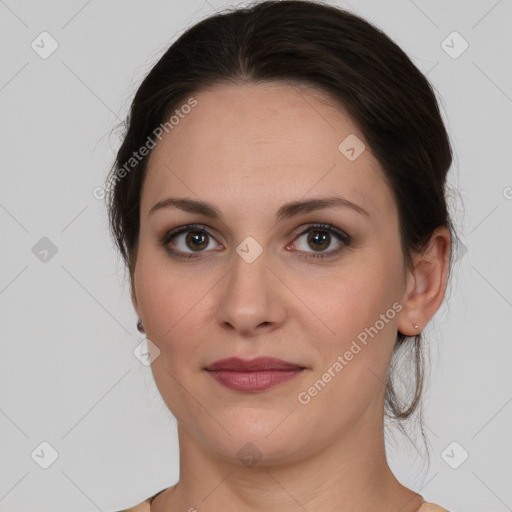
145 506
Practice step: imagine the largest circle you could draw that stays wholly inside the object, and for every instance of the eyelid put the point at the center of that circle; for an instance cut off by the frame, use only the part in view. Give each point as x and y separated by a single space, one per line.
324 226
168 235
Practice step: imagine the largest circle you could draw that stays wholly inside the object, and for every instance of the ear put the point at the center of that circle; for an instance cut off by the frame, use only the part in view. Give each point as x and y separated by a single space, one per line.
426 283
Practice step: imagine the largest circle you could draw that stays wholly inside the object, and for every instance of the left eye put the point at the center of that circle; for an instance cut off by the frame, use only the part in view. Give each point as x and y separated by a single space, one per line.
320 237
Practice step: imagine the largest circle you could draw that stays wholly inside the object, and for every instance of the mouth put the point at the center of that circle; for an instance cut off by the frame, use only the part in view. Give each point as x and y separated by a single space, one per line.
253 375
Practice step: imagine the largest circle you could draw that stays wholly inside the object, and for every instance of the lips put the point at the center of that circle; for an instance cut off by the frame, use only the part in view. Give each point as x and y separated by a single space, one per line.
253 375
253 365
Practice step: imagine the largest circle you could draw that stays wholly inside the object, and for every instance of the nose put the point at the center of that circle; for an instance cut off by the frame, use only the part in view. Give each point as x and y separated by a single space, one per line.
252 298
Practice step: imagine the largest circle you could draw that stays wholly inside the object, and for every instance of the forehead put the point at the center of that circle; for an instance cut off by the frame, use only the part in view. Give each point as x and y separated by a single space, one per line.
263 143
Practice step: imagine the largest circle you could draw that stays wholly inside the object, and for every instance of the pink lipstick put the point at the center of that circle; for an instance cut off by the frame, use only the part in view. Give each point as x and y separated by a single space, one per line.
253 375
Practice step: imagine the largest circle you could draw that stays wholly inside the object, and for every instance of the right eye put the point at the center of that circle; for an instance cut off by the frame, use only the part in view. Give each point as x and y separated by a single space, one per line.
194 237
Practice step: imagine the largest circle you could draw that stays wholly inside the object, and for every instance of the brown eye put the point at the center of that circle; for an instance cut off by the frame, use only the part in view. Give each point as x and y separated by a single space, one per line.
196 240
188 241
321 237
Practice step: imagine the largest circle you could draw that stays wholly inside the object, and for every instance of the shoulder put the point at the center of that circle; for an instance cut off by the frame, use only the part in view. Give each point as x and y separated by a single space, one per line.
144 506
431 507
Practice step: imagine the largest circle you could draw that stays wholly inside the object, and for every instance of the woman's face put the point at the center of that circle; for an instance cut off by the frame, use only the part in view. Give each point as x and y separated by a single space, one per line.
259 284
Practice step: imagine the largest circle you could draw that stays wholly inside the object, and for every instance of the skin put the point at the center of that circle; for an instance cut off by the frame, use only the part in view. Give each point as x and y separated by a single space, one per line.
248 149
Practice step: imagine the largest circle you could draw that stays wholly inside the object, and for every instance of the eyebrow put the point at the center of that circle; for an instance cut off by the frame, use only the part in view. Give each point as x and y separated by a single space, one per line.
285 211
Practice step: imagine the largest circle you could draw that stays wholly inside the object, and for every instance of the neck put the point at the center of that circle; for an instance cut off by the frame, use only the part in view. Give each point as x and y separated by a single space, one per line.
349 473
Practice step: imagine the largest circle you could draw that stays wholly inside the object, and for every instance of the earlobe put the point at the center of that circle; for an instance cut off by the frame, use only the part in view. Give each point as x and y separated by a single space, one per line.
426 283
140 324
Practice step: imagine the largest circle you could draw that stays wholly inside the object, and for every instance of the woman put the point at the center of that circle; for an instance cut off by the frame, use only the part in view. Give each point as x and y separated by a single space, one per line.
279 201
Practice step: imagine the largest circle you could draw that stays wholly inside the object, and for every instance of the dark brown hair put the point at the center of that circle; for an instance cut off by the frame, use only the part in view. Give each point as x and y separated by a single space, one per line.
332 50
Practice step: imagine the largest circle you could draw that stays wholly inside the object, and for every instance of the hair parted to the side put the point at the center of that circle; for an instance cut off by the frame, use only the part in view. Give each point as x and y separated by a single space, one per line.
358 66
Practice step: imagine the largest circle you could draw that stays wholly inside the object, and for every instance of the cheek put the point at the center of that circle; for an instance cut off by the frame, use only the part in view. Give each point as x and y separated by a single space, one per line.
352 367
361 311
347 303
165 295
176 303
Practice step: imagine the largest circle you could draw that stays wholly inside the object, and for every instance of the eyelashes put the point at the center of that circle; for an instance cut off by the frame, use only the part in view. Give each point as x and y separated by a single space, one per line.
199 236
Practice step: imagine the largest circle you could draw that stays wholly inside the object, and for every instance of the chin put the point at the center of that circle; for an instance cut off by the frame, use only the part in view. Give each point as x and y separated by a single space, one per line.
260 437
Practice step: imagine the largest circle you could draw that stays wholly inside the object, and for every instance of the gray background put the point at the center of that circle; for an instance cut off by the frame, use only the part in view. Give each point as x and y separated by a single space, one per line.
68 373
